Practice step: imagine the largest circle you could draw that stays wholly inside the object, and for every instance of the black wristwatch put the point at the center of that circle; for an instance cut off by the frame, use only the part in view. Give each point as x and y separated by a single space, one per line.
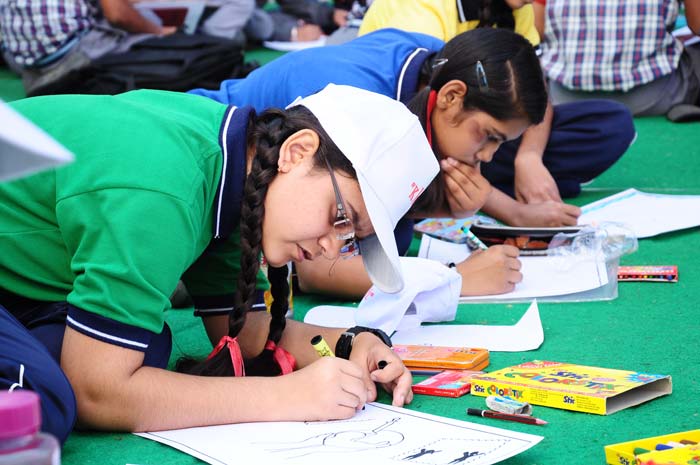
344 345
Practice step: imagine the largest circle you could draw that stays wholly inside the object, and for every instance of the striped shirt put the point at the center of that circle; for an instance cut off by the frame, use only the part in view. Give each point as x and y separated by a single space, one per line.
609 45
34 29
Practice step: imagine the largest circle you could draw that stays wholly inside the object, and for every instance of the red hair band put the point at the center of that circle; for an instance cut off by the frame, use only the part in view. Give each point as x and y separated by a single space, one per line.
234 350
432 100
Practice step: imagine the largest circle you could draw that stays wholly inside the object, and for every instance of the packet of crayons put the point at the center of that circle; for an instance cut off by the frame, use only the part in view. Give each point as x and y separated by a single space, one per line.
669 449
442 357
449 383
666 274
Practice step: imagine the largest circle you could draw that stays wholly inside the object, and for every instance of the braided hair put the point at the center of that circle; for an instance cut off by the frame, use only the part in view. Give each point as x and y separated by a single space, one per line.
266 132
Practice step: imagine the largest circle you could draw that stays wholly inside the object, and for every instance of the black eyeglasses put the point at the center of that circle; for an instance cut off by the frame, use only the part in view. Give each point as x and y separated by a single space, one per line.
343 227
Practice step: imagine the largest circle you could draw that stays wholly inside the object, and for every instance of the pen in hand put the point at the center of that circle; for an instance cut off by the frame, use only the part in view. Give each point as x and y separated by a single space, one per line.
472 241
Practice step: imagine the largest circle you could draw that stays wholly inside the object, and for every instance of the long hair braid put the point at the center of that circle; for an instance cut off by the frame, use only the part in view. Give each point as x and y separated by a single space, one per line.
264 364
266 132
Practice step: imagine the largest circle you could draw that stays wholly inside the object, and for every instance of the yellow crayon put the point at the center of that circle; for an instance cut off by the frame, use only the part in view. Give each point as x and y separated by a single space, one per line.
321 346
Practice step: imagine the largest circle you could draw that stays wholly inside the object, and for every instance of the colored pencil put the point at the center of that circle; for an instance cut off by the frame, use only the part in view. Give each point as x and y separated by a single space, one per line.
505 416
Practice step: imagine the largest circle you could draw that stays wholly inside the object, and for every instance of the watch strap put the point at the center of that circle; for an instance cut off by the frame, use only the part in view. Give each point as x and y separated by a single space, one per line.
344 345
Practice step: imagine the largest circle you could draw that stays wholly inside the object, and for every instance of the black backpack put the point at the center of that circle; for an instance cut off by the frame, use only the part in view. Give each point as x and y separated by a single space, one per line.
177 62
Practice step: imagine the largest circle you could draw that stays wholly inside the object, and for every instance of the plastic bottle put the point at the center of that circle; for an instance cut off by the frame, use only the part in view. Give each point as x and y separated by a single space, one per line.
21 442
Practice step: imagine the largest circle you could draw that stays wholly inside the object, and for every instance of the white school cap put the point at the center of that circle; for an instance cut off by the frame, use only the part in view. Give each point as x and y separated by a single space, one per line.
394 163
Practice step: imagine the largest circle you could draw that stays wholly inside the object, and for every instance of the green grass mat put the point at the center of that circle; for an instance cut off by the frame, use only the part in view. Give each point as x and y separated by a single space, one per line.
10 86
651 327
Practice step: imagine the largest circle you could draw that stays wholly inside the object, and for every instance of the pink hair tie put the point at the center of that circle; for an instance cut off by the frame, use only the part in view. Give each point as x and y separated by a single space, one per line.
234 350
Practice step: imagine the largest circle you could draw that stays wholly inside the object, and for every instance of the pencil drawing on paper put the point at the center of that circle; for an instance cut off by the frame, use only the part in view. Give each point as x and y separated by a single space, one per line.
355 437
379 434
352 436
452 451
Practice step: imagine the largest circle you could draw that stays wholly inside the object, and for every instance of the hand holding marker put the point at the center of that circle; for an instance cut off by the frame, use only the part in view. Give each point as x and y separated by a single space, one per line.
473 242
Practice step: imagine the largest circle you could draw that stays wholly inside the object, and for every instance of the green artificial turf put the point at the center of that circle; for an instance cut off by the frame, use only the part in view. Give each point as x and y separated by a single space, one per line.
650 327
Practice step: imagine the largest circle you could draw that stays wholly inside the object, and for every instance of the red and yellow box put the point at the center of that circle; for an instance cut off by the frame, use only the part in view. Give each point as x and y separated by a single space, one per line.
572 387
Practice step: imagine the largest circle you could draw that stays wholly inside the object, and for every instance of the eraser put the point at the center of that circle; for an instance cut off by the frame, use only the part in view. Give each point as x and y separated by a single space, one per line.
507 404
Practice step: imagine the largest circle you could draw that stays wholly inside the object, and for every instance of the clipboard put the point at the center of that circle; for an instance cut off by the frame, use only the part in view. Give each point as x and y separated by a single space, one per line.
530 241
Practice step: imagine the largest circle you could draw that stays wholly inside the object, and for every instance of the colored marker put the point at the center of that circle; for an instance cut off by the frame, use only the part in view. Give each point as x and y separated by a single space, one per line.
321 346
688 442
640 451
505 416
663 447
473 241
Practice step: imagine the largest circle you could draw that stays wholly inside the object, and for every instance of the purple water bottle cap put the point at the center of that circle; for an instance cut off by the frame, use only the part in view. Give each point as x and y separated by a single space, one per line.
20 413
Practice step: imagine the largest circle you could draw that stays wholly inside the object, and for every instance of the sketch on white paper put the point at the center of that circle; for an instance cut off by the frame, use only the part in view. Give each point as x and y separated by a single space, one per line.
345 440
542 276
380 434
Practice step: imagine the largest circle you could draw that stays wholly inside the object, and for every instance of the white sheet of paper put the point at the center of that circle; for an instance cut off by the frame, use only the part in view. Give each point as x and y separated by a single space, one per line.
331 316
526 334
442 251
542 276
646 214
25 148
293 46
380 434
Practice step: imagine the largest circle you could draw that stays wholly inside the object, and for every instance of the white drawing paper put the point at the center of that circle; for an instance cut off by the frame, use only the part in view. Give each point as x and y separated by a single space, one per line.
526 334
646 214
380 434
543 276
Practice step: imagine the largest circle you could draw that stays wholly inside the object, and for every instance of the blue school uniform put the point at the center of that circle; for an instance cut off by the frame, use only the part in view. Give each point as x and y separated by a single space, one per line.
586 137
386 62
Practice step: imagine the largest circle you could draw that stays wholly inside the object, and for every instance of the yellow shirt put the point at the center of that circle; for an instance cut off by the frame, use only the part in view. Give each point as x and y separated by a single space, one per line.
438 18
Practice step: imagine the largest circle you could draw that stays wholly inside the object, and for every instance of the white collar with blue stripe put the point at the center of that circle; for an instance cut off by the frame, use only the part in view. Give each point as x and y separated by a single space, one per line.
229 193
410 74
